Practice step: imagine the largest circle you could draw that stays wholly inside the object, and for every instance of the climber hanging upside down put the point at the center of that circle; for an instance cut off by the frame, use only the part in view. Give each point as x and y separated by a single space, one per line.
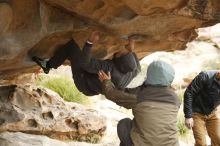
123 67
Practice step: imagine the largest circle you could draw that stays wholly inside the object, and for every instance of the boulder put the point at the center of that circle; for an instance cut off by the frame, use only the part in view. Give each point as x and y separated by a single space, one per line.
31 109
23 139
38 27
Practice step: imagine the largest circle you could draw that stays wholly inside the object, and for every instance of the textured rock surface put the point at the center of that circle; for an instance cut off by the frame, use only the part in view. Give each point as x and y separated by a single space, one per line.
22 139
33 110
38 27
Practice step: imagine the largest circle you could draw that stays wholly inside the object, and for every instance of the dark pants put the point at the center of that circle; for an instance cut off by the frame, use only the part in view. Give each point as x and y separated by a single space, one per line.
69 51
75 55
123 130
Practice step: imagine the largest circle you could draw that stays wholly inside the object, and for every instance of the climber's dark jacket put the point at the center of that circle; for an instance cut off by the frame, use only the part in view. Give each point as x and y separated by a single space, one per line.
85 68
123 69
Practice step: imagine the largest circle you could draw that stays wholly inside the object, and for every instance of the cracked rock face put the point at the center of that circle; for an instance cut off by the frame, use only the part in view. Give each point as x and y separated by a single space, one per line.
38 27
33 110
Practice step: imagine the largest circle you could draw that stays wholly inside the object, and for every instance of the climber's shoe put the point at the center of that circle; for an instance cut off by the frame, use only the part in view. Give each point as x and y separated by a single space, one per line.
42 63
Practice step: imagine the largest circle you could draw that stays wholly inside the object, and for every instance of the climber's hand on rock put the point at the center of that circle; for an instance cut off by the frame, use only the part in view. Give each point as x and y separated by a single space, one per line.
130 45
94 37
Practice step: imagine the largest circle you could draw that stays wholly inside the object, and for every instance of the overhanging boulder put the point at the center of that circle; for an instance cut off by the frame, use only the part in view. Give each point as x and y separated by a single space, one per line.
38 27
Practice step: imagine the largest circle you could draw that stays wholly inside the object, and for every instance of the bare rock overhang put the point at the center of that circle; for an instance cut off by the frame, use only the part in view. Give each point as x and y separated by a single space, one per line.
38 27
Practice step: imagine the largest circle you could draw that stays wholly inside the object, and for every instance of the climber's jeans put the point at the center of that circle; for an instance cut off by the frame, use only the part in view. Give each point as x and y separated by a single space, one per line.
207 125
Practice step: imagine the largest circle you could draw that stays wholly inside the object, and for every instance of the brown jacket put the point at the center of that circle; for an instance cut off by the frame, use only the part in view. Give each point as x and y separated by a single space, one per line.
155 113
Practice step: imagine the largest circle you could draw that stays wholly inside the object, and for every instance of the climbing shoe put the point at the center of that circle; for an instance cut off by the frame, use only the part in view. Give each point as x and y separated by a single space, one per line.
42 63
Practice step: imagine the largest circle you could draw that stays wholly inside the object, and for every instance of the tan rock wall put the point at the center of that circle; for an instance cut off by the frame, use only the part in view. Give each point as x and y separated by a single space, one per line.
38 27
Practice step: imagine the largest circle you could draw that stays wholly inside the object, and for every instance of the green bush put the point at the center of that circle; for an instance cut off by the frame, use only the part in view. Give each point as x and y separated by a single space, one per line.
182 129
180 94
64 87
184 133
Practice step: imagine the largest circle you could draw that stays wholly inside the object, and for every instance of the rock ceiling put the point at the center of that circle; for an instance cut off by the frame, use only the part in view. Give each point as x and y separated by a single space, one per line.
38 27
